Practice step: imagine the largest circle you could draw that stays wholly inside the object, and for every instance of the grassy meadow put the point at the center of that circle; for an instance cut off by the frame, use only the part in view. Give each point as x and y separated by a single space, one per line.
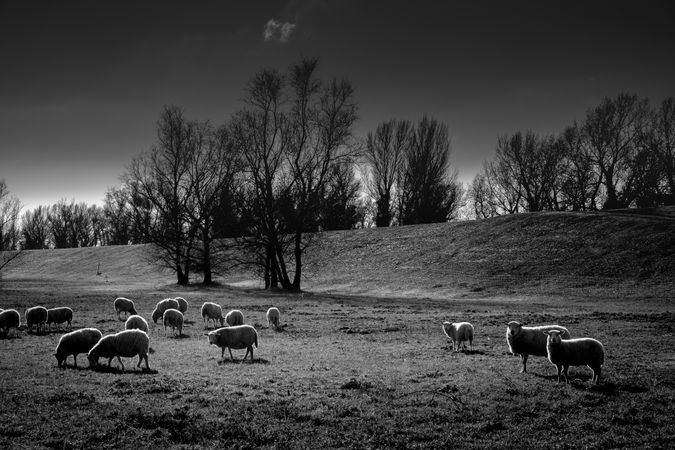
361 361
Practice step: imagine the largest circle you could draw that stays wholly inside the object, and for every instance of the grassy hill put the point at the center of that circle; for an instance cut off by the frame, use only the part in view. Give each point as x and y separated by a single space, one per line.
549 252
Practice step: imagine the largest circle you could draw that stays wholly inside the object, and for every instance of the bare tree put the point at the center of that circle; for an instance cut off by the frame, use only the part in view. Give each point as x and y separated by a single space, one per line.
10 208
339 208
481 197
384 154
117 216
580 182
35 228
659 140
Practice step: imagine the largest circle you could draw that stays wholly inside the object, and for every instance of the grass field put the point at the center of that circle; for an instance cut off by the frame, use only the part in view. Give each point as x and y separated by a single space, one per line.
354 368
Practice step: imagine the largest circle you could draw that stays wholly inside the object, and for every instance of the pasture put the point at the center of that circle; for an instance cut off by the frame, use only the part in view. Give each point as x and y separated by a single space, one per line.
345 371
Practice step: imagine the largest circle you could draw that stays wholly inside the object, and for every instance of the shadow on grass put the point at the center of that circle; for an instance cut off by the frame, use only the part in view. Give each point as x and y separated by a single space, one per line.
239 361
118 370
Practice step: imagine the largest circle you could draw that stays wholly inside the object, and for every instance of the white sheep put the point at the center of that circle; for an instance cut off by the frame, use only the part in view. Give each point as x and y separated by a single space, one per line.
36 315
236 337
10 319
525 341
273 316
212 311
459 333
564 353
127 343
174 319
234 318
182 304
136 322
76 342
60 315
163 305
125 305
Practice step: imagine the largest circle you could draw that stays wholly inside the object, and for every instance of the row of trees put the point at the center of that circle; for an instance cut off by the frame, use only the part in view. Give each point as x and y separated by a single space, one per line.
622 154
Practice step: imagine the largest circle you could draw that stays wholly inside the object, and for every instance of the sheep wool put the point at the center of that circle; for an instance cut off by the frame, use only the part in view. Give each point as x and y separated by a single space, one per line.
212 311
273 316
525 341
136 322
60 315
459 333
234 318
37 315
174 319
10 319
76 342
125 305
182 305
127 343
564 353
236 337
163 305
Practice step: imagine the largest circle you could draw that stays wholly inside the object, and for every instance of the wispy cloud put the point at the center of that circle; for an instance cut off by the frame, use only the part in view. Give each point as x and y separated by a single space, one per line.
278 31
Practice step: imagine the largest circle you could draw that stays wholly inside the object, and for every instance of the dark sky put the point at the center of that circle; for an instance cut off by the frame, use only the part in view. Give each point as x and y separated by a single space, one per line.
82 83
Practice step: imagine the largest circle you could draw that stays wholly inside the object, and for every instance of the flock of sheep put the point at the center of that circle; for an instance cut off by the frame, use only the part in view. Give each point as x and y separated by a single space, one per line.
134 340
552 341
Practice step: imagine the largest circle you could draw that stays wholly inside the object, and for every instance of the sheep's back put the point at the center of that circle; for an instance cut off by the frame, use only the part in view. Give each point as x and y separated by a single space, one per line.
78 341
129 343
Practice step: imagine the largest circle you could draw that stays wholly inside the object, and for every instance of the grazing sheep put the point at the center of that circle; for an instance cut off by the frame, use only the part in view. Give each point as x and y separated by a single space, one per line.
37 315
76 342
212 311
234 318
9 319
126 305
163 305
127 343
525 341
273 315
459 333
59 316
136 322
182 304
236 337
564 353
174 319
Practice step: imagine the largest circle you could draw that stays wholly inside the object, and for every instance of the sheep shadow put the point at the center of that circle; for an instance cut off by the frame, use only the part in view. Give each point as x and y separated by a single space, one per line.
228 361
180 336
118 370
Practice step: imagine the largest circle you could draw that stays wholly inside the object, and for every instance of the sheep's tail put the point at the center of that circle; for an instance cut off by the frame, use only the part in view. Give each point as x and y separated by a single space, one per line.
256 340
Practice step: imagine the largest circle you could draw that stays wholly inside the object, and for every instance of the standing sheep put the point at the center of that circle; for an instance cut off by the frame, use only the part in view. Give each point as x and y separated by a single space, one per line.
174 319
76 342
136 322
525 341
273 315
37 315
564 353
212 311
124 304
163 305
182 305
236 337
234 318
127 343
459 333
59 316
9 319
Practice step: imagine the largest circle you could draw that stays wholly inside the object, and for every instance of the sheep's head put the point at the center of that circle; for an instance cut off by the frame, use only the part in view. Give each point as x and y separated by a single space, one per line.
59 359
133 310
156 315
93 359
213 337
513 328
554 337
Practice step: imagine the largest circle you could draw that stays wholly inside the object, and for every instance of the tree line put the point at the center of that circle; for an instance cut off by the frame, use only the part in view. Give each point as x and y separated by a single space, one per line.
622 154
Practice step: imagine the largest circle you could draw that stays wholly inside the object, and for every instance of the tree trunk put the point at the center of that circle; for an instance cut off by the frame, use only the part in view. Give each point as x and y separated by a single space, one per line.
298 262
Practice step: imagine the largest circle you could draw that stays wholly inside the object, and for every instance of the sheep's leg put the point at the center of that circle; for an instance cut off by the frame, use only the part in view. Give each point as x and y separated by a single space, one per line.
222 353
121 364
566 368
523 357
230 350
74 360
559 367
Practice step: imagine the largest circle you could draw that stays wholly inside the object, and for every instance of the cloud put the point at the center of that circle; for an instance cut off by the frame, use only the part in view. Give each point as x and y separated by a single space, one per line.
278 31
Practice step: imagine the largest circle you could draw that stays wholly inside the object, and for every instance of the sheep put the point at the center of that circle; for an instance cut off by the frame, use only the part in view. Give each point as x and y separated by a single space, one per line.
126 305
182 305
163 305
173 318
37 315
127 343
76 342
564 353
458 333
234 337
234 318
59 316
525 341
136 322
212 311
9 319
273 317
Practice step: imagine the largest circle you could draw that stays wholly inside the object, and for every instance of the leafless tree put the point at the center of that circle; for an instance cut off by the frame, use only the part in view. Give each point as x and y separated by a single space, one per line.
10 208
35 228
659 141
